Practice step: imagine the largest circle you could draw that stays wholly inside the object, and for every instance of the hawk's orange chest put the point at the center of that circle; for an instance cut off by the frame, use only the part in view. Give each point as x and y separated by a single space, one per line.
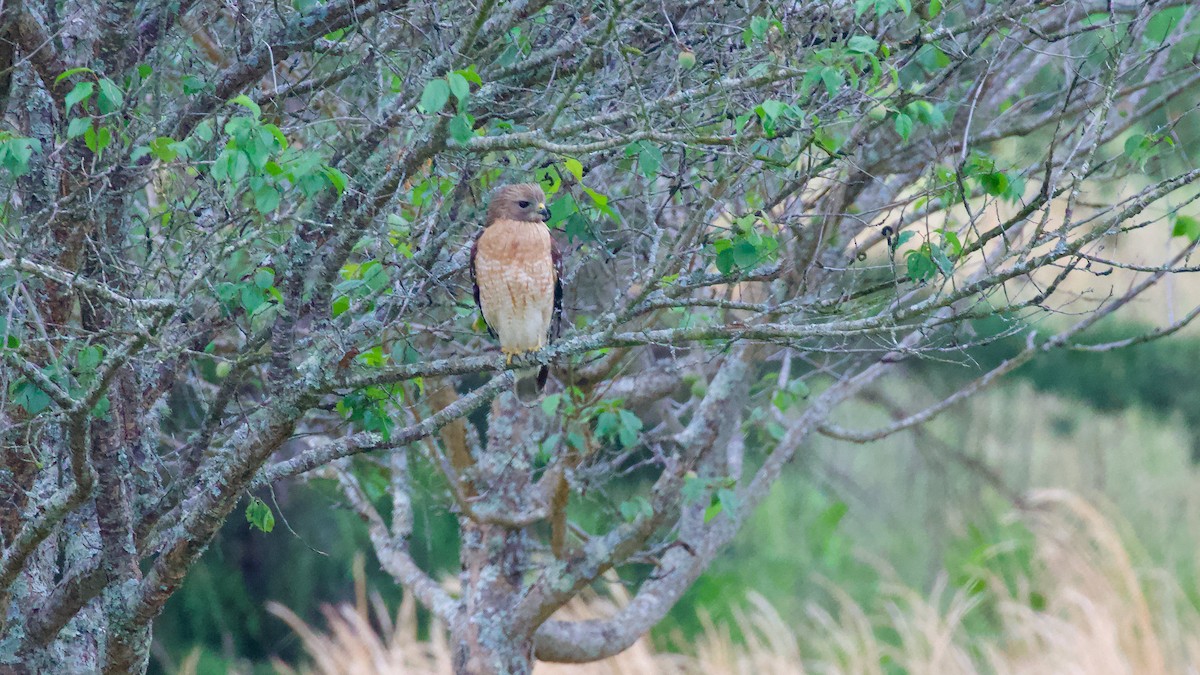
514 271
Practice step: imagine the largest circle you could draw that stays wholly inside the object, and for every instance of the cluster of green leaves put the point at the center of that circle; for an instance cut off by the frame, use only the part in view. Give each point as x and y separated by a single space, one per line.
16 151
746 247
786 397
882 7
251 145
917 111
437 93
566 407
567 213
370 408
844 63
255 294
758 28
981 169
615 423
360 281
103 97
649 157
720 491
1141 148
259 515
771 114
1186 226
76 381
256 158
930 258
980 175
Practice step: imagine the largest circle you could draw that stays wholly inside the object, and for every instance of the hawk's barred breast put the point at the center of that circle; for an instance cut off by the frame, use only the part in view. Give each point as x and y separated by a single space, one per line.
514 271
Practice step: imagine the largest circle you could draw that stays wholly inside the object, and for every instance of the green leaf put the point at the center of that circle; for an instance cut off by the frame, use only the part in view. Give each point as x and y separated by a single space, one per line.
10 342
935 8
758 26
832 79
904 125
471 75
459 87
952 241
1186 226
649 159
461 128
920 266
248 103
266 199
632 508
81 92
549 178
220 167
728 500
745 254
27 395
78 127
694 487
713 510
550 404
575 167
994 183
162 148
280 139
863 44
943 262
264 277
772 109
97 139
601 202
340 305
15 153
926 113
89 358
239 166
905 5
259 515
67 73
561 209
111 97
434 97
192 84
336 178
251 297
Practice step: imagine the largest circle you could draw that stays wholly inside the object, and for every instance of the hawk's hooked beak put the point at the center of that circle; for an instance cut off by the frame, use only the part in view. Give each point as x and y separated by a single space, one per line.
543 212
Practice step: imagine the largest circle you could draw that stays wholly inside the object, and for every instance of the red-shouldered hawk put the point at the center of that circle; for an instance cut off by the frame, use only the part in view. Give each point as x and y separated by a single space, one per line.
516 270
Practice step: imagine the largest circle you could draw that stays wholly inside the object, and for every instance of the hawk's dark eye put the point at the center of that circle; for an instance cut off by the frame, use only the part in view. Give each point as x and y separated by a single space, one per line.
523 204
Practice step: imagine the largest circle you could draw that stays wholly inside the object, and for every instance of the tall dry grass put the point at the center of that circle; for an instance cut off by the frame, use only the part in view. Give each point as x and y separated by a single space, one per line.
1095 613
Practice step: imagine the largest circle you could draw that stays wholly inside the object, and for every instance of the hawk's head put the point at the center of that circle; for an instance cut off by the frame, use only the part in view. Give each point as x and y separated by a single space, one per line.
524 201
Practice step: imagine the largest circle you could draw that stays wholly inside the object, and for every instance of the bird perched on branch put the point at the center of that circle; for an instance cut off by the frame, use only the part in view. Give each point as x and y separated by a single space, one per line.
516 271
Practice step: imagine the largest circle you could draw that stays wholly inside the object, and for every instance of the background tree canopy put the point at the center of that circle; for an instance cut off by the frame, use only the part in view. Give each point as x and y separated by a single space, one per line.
234 240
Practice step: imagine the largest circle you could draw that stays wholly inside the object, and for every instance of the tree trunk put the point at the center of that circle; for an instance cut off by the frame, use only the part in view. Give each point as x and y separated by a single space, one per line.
495 558
488 640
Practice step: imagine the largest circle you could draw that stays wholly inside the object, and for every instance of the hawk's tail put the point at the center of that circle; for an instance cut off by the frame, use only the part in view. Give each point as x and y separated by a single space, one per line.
530 385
